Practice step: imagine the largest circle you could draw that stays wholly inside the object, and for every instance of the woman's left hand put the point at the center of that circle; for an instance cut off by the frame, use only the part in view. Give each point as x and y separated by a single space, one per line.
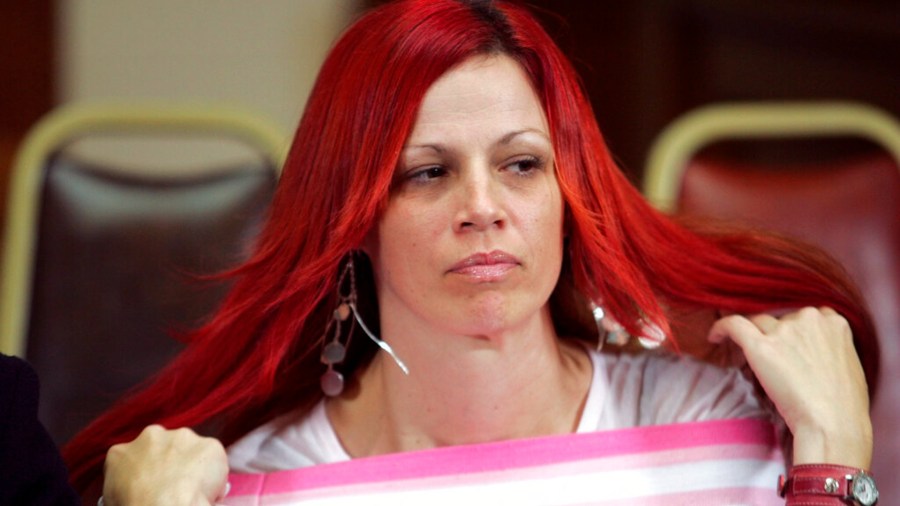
806 363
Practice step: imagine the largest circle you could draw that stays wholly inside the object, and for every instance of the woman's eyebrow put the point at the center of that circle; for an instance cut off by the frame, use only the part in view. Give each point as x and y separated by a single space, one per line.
506 139
434 147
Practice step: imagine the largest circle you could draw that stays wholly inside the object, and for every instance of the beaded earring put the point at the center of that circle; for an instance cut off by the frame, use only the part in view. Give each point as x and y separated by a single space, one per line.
334 351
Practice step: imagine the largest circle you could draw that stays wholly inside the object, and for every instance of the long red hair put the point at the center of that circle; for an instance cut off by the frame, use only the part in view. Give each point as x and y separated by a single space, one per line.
258 355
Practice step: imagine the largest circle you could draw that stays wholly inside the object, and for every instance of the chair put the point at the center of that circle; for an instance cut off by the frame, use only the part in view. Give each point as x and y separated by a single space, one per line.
114 212
850 206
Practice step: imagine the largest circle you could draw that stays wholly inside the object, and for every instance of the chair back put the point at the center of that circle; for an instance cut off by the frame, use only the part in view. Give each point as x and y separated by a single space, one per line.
849 205
116 214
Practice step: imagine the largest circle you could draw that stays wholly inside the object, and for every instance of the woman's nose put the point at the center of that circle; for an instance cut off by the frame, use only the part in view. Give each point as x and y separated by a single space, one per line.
480 203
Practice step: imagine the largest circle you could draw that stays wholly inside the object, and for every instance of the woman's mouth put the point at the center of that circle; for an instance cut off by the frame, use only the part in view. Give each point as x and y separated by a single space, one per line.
485 267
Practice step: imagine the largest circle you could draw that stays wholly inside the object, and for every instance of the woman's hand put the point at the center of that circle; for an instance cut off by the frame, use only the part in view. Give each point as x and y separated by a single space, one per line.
806 363
165 467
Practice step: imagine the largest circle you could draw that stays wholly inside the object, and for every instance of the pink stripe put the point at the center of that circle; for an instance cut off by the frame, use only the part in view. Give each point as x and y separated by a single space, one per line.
246 484
509 477
502 455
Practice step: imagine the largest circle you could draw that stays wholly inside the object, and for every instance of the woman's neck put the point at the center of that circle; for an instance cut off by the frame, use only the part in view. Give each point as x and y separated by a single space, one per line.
464 390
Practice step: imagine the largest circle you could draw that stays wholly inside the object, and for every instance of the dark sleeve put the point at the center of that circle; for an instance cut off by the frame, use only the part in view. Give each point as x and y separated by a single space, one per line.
31 469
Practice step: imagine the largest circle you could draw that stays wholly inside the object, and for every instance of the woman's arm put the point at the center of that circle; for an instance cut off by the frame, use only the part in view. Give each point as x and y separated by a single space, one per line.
806 363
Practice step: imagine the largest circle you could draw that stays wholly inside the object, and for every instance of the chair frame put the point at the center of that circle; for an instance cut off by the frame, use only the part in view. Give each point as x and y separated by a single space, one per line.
68 123
670 153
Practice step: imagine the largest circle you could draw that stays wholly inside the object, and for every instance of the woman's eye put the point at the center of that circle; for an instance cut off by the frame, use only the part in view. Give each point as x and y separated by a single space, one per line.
525 165
426 174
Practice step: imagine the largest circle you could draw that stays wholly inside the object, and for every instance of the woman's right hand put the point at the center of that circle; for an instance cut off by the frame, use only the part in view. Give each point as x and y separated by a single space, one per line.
165 467
807 364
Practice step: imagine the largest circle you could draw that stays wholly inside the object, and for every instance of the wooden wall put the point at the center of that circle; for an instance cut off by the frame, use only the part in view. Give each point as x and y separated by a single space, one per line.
644 62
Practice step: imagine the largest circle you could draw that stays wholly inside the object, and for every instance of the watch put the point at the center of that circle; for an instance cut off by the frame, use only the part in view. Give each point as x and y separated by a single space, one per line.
851 484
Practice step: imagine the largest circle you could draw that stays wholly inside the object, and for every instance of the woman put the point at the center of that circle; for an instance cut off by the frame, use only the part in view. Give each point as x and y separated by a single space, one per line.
448 190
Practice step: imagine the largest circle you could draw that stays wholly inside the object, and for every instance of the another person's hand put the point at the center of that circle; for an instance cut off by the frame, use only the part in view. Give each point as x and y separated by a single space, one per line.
806 363
165 467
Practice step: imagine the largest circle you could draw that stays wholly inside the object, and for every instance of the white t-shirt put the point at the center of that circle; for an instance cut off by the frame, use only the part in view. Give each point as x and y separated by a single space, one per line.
625 391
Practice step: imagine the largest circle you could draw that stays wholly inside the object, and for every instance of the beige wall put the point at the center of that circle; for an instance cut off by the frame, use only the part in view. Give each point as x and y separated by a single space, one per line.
261 54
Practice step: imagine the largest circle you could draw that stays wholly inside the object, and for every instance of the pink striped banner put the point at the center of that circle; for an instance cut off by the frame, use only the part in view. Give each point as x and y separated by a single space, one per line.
713 462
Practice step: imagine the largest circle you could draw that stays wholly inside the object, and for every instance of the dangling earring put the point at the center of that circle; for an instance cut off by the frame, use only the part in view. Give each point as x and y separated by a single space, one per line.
611 331
334 352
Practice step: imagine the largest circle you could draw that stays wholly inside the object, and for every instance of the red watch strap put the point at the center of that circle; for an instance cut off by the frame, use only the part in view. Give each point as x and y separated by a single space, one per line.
822 470
817 484
834 484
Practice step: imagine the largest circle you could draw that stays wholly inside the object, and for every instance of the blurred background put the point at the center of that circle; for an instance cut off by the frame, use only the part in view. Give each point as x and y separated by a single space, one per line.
238 53
644 62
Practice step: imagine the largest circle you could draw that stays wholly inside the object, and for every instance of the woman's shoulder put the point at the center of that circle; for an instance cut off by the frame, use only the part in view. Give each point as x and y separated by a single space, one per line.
291 441
655 388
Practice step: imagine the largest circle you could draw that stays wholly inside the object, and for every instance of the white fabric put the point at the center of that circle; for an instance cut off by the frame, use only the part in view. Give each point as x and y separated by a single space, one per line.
626 391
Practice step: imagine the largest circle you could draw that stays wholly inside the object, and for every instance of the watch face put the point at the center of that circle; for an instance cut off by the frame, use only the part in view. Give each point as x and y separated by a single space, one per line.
864 490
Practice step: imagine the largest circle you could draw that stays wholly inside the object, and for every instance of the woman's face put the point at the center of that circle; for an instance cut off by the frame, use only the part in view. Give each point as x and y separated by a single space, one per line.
471 240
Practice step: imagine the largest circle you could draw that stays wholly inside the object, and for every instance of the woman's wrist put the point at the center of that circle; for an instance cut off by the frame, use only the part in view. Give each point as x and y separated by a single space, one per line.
844 446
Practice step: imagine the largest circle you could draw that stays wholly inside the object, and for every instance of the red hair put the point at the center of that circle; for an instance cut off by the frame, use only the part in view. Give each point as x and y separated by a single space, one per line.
258 356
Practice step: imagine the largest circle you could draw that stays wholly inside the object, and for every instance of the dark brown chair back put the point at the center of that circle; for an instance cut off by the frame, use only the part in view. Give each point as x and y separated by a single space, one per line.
116 276
108 257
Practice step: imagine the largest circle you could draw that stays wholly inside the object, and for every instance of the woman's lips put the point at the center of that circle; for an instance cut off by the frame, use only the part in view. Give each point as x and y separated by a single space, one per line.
485 267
